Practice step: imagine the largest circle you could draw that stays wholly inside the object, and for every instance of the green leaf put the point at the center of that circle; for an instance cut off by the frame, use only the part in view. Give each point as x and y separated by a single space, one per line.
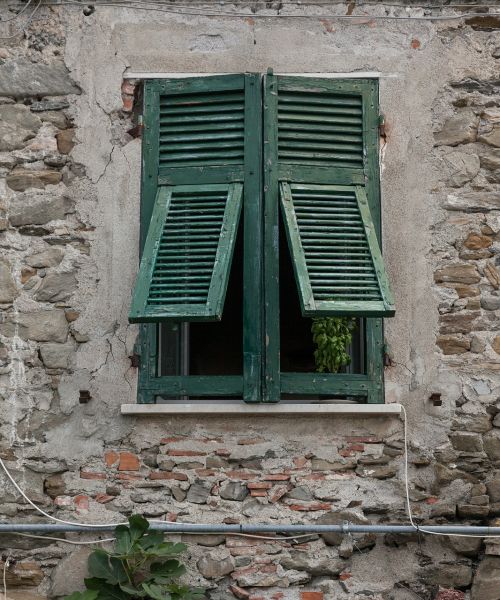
156 592
102 566
123 544
86 595
132 591
170 569
151 539
138 527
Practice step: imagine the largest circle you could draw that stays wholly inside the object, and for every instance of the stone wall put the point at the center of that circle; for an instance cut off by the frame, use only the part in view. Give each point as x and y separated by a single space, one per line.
69 206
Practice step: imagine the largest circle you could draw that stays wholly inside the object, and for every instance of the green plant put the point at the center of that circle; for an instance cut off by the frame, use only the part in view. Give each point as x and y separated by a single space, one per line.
140 566
332 336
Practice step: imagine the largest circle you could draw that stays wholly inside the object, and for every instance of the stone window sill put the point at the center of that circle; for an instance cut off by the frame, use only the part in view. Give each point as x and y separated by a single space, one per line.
208 407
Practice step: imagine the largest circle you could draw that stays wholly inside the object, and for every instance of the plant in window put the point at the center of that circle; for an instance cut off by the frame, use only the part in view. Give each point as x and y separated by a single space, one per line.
332 336
140 566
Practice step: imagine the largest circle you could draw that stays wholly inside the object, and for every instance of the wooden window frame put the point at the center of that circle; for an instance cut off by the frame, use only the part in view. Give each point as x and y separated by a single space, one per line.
261 380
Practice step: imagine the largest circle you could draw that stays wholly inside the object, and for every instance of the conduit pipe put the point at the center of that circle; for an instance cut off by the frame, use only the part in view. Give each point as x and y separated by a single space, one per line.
259 528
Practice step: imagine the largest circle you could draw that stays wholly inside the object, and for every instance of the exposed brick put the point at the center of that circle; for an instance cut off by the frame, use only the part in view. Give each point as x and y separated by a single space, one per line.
171 440
128 103
180 452
128 88
168 475
345 575
81 502
241 475
311 596
205 472
276 477
239 592
415 44
259 485
278 492
300 462
128 462
258 493
250 441
62 501
223 452
92 475
103 498
310 507
111 457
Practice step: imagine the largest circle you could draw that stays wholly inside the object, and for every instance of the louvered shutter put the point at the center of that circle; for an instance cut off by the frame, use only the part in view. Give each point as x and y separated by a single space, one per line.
323 134
198 151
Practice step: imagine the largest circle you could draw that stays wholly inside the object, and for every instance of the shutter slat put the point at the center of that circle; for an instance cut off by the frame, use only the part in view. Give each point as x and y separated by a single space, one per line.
187 255
335 252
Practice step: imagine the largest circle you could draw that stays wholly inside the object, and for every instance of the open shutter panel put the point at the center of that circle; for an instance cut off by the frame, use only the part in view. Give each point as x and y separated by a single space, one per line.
337 260
188 251
322 144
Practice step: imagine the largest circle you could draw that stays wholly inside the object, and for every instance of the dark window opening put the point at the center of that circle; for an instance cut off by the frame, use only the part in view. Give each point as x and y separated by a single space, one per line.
296 343
208 348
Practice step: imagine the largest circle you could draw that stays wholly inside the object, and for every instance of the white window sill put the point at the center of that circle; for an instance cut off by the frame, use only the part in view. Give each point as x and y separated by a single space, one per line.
208 407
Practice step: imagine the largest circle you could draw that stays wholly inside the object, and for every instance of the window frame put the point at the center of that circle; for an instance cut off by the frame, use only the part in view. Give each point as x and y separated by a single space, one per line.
261 379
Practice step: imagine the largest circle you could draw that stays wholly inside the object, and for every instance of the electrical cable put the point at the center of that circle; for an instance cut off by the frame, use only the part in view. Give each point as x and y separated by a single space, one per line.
4 577
17 15
26 24
231 15
417 527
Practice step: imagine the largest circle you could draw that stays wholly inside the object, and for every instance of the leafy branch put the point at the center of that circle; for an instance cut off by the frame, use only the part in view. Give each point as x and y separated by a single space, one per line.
140 566
332 336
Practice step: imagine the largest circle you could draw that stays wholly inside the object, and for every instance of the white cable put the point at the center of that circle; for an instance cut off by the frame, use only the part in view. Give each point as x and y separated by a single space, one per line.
407 489
203 13
17 15
94 525
5 565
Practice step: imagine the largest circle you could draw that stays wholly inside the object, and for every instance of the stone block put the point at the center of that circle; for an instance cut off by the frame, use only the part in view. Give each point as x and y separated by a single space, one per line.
8 288
56 356
56 287
451 344
38 208
491 441
40 326
486 585
234 491
462 167
23 179
22 79
461 128
457 273
48 258
465 441
216 564
17 126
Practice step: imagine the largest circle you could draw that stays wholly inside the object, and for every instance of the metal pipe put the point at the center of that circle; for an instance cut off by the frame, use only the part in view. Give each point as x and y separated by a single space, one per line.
256 528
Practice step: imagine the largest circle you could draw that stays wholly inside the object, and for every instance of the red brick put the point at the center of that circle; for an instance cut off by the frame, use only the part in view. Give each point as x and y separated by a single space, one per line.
300 462
415 44
356 447
177 452
258 493
128 88
241 475
168 475
259 485
128 462
311 595
205 472
128 103
345 575
170 440
312 506
250 441
103 498
223 452
62 501
432 500
92 475
276 477
111 457
278 492
82 502
446 594
239 592
314 477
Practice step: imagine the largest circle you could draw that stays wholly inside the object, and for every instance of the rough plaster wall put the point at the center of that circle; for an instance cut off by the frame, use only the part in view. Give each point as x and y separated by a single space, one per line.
88 462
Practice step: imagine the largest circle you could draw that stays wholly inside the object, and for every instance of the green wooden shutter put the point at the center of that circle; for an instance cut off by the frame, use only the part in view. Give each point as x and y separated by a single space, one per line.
322 137
198 153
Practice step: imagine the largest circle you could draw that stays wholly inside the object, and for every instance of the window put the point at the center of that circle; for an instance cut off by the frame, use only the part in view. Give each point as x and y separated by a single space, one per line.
260 210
